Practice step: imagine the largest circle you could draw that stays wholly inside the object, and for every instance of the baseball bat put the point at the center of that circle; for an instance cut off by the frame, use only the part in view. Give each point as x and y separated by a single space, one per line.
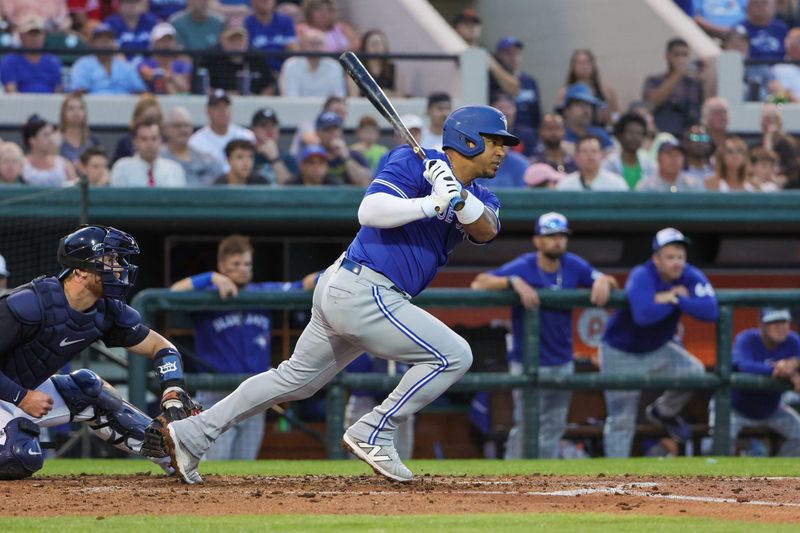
361 76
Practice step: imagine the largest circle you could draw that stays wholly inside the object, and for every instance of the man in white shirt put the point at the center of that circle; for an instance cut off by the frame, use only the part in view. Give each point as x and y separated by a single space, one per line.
146 168
214 136
590 176
312 76
670 176
439 107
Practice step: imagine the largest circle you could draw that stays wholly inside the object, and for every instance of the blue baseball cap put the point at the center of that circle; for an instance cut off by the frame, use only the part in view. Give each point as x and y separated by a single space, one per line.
552 224
328 119
313 150
581 92
508 42
775 314
102 29
669 236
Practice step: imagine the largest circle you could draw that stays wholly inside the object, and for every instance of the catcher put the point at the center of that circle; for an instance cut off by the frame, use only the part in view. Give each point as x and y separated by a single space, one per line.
47 322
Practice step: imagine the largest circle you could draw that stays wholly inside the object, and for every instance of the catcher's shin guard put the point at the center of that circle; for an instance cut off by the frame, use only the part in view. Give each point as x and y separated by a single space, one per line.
20 455
114 420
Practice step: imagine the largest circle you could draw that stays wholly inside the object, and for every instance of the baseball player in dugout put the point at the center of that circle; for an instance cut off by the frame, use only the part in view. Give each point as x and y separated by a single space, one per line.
409 225
549 267
47 322
640 339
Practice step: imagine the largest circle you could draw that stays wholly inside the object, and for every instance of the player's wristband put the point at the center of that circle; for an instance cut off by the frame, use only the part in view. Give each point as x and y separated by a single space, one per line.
201 281
511 281
472 210
169 368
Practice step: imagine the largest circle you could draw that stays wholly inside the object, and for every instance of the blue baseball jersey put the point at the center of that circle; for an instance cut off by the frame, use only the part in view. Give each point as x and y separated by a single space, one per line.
237 342
136 39
767 42
275 36
750 355
645 326
410 255
555 325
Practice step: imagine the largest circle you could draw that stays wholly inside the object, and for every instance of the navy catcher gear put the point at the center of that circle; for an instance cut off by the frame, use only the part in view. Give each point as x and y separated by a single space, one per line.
104 251
21 454
466 124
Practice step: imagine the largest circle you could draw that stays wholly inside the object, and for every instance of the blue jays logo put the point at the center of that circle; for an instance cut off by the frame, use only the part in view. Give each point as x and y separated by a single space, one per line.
448 215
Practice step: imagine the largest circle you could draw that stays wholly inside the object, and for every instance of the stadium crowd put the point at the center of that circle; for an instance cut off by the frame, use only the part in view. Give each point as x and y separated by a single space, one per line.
673 139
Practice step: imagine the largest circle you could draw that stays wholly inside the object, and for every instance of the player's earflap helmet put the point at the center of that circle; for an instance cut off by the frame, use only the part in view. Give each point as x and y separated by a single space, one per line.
104 251
468 123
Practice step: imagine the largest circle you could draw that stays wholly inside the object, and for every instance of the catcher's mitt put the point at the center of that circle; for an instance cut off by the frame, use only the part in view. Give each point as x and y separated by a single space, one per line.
176 404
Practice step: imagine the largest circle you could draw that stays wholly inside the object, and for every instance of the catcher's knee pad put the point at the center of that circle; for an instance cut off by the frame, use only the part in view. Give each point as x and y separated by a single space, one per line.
21 454
115 420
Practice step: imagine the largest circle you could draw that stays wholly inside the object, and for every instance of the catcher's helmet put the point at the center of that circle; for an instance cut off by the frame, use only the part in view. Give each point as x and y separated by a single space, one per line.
104 251
468 123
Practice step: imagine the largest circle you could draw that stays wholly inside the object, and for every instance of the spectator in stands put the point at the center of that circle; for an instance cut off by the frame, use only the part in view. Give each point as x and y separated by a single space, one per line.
105 72
312 76
767 32
12 161
773 138
676 95
196 27
270 161
53 13
215 136
234 341
238 74
590 175
639 339
551 148
718 18
642 109
787 74
73 124
382 70
132 26
715 115
467 24
760 79
235 10
731 167
164 9
292 10
347 167
147 109
162 72
522 88
549 267
438 109
146 168
583 69
93 164
31 72
270 31
43 166
200 168
542 176
322 15
697 147
770 350
414 125
306 132
631 163
577 108
314 169
368 133
527 136
762 176
240 157
670 176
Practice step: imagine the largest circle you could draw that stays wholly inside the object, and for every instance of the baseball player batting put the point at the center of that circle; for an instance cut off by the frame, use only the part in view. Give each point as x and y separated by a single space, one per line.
361 303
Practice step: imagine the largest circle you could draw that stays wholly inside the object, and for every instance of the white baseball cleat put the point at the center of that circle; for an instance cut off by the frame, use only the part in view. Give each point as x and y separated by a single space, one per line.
382 458
184 463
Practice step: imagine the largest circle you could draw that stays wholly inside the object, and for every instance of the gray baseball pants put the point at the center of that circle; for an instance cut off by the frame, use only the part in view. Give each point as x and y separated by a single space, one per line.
354 310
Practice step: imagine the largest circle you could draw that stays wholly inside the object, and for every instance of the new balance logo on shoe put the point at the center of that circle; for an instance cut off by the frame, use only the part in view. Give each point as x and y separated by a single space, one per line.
373 451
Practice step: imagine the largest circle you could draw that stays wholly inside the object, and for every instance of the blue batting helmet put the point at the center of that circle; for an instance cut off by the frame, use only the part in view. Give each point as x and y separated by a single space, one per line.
104 251
466 124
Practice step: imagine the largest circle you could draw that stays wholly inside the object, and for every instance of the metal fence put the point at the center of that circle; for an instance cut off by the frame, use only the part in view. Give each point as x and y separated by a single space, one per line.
721 380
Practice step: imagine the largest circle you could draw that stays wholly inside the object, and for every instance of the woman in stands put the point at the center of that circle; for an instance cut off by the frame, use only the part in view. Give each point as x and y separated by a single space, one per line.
323 15
73 123
376 42
43 166
732 168
147 109
583 69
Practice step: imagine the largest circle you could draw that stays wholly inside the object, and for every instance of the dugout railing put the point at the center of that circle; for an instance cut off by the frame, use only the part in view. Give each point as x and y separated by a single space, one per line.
720 381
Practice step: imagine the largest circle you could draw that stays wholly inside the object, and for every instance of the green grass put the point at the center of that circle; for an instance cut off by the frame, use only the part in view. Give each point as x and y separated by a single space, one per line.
507 523
684 466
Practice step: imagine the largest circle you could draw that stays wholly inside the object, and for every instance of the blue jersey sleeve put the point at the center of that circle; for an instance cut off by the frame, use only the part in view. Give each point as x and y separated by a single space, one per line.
401 176
702 302
641 291
744 355
587 274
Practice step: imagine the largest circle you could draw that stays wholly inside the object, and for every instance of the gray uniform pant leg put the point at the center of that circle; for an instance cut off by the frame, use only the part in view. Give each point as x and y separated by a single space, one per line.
358 406
242 441
785 421
674 360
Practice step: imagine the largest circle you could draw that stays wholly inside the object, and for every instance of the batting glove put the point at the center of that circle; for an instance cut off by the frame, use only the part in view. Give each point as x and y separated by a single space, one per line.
441 177
434 204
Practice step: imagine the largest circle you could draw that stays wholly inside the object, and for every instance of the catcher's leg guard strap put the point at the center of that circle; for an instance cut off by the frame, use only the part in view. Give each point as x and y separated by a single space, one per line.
21 455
